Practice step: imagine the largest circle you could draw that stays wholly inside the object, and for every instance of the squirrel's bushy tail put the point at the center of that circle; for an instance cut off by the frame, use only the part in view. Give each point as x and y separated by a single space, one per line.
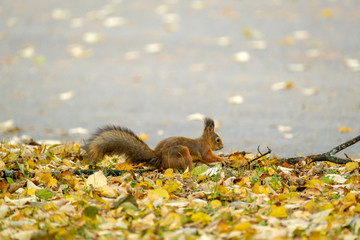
118 140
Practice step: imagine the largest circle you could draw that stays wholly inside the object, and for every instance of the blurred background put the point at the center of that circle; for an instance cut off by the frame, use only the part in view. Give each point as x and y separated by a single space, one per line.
277 73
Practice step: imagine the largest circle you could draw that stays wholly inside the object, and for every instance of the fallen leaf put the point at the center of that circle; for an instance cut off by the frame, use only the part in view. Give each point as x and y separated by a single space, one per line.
278 212
157 193
153 47
351 166
92 37
281 85
242 226
96 180
326 13
242 56
201 217
310 91
111 22
143 136
91 212
44 194
65 96
283 128
236 100
215 204
344 129
107 191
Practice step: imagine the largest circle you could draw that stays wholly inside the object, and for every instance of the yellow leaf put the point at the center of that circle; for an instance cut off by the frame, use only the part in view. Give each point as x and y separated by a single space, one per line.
201 177
288 40
107 191
50 206
271 171
59 218
243 181
326 206
351 166
186 175
238 160
215 204
242 226
76 147
158 193
313 183
124 166
326 13
47 179
30 191
221 189
30 163
143 137
143 185
357 208
159 183
279 212
222 227
344 129
311 206
200 217
350 197
168 173
258 189
172 186
172 221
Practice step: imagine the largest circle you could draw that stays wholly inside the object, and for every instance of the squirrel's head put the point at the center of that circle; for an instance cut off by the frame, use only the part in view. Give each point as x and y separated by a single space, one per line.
211 137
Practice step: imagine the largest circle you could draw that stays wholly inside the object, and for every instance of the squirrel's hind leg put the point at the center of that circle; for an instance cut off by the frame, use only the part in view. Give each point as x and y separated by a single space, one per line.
177 157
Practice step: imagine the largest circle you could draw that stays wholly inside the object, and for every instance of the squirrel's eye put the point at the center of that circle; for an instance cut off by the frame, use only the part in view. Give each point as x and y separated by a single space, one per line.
217 139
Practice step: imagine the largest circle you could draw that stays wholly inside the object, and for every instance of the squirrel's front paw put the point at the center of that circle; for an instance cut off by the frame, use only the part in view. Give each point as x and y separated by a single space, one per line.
225 161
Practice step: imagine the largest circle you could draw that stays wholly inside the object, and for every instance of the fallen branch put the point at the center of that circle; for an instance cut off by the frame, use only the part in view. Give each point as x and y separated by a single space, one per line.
328 156
107 172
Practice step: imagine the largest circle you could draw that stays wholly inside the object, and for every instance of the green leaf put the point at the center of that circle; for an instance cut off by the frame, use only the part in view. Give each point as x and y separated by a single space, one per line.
9 180
91 212
44 194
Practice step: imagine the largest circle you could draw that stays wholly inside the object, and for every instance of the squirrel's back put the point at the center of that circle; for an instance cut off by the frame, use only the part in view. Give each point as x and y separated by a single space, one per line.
113 139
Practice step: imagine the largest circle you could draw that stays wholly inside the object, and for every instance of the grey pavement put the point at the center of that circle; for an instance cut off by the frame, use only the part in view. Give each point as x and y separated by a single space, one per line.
277 73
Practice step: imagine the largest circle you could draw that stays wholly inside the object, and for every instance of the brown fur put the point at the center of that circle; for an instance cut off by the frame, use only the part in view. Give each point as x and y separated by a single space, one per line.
173 152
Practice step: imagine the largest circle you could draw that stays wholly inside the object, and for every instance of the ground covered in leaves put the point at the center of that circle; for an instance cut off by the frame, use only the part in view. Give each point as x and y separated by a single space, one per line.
270 199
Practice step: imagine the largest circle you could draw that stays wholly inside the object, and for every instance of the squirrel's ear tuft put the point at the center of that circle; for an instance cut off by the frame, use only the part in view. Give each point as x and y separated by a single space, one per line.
209 123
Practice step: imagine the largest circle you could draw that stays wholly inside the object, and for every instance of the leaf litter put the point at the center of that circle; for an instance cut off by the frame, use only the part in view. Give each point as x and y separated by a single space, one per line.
267 199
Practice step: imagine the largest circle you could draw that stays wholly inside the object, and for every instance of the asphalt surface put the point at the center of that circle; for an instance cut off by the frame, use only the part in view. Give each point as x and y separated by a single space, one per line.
148 65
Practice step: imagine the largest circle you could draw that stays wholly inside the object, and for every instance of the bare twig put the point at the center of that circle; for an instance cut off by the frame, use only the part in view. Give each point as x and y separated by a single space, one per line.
328 156
261 154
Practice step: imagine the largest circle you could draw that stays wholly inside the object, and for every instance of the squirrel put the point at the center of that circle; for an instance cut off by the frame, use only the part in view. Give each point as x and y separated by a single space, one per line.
172 152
